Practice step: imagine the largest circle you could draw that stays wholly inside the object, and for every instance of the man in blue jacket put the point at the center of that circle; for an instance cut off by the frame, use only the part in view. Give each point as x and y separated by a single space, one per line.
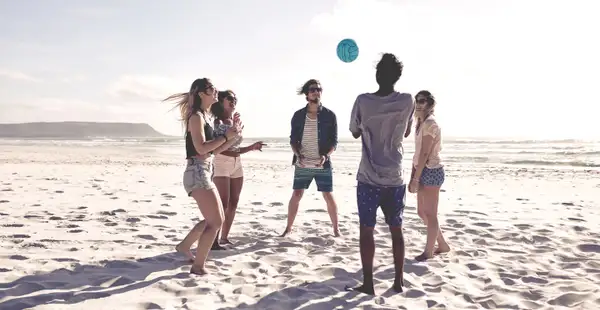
314 137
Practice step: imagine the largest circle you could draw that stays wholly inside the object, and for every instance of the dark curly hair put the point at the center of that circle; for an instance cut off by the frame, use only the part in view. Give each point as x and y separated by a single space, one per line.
389 70
218 109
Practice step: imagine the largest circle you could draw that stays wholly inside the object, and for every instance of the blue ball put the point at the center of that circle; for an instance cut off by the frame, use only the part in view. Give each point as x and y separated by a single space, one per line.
347 50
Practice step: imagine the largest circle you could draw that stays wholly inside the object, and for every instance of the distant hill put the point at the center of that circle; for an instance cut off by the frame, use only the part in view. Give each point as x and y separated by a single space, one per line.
75 130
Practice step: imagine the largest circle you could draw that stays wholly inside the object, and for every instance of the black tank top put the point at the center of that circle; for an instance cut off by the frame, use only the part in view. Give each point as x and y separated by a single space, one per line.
190 150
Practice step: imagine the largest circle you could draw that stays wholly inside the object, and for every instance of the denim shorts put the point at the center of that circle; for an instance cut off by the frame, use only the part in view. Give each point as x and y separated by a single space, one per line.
322 176
198 174
433 177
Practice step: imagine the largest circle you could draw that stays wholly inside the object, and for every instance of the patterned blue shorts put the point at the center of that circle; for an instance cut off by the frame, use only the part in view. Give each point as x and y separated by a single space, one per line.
433 177
391 200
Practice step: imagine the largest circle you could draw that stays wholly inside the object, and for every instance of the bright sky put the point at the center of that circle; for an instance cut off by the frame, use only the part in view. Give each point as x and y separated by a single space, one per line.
499 68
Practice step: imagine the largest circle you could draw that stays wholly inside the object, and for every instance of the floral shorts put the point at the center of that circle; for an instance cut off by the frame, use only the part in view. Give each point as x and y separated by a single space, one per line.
433 177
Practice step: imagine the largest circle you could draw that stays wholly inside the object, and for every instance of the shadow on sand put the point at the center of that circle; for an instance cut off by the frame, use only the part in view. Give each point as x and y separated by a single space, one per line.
111 277
331 294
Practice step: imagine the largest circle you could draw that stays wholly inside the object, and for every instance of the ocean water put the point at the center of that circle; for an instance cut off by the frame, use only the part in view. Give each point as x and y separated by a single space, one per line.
559 154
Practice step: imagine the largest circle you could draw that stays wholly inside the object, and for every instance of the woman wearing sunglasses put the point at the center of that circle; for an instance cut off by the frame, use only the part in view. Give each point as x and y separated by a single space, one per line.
428 173
228 171
200 145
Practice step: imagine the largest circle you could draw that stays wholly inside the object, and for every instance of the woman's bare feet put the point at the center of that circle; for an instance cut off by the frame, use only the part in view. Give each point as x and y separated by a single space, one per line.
186 252
286 232
336 233
442 249
217 247
225 241
423 257
199 271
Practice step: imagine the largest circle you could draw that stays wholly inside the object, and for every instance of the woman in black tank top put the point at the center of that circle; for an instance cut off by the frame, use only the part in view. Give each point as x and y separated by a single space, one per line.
200 144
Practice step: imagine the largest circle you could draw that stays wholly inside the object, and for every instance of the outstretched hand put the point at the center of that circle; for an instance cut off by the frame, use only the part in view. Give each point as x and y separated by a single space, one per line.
257 146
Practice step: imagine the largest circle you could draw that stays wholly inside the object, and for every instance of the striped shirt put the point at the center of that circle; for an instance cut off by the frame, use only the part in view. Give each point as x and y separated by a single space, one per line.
310 144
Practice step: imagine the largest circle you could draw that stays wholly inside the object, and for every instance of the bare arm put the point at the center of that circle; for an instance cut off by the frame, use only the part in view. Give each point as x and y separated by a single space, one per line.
196 128
426 146
222 149
429 134
355 121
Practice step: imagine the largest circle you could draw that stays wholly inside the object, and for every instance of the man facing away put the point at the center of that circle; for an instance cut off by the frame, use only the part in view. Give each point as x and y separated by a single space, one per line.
314 137
382 119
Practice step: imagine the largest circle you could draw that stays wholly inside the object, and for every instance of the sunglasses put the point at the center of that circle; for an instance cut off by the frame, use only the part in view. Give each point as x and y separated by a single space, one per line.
315 89
231 98
423 100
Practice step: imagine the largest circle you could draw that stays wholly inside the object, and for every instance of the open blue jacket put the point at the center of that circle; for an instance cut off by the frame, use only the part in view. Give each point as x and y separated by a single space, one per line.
327 131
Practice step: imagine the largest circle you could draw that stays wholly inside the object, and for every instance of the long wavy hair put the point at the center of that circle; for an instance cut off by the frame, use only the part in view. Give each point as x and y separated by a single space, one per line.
429 108
190 103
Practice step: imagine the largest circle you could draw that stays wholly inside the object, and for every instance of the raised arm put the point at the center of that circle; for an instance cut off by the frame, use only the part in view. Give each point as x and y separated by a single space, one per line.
355 120
410 123
223 148
196 128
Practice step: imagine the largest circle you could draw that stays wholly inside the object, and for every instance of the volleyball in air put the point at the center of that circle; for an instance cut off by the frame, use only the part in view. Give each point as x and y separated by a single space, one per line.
347 50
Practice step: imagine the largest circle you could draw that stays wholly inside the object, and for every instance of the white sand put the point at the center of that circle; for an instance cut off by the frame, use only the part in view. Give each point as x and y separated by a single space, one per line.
94 228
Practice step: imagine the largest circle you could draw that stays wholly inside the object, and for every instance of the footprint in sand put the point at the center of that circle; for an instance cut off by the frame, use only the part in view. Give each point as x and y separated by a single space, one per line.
276 204
34 245
157 217
4 201
13 225
168 196
256 203
20 236
18 257
75 231
167 213
589 247
55 218
147 237
133 220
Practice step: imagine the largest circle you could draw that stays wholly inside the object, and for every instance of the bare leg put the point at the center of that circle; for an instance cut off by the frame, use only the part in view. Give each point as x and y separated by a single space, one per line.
184 247
222 184
235 187
293 210
333 212
398 248
442 244
430 204
367 254
210 207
